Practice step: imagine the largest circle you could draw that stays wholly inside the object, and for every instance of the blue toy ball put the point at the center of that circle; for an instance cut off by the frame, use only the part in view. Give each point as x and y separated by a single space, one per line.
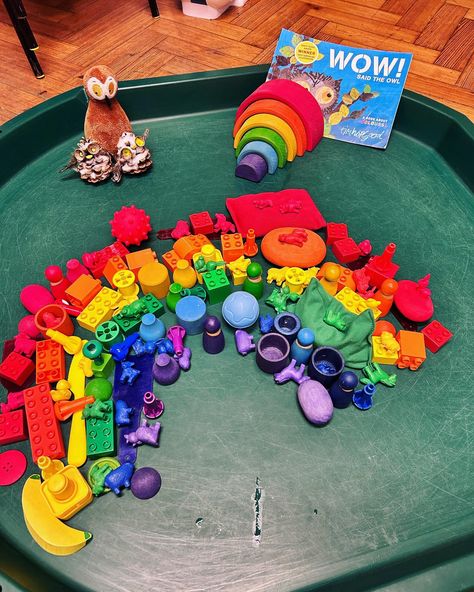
240 310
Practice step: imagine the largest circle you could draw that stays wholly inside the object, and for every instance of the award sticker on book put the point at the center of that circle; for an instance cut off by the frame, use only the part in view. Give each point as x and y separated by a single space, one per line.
357 89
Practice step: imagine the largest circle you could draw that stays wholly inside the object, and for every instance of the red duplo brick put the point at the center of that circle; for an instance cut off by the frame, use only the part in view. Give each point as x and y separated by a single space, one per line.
335 231
12 427
436 335
45 433
201 223
16 368
346 250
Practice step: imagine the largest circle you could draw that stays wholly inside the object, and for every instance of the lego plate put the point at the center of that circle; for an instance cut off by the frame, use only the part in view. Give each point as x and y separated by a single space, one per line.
377 499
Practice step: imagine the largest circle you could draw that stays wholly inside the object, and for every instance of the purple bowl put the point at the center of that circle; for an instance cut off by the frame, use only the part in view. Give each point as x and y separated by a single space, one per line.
273 353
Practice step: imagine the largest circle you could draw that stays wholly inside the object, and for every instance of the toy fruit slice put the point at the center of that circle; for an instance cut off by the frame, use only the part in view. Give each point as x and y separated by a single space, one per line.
51 534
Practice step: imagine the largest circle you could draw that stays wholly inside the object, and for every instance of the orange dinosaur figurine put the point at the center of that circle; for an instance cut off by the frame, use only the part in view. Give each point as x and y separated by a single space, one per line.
105 119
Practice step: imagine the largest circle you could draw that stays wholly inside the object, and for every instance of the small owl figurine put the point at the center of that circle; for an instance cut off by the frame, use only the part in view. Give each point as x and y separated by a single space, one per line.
93 163
132 156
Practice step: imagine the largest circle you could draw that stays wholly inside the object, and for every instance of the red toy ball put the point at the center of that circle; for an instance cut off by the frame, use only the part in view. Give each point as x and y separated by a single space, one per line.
130 225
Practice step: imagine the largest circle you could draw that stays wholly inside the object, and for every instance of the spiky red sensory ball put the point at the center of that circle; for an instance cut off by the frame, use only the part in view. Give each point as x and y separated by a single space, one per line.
130 225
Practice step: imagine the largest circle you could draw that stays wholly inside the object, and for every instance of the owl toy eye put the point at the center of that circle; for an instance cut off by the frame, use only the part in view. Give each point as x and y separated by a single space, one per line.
95 89
126 153
324 95
110 87
93 148
79 155
304 84
139 141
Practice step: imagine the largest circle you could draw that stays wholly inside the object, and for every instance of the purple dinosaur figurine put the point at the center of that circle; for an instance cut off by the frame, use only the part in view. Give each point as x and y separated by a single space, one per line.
184 360
119 477
291 373
244 342
129 373
122 413
145 434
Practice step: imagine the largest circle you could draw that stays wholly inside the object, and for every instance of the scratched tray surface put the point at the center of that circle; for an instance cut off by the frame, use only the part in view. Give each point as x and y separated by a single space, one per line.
372 497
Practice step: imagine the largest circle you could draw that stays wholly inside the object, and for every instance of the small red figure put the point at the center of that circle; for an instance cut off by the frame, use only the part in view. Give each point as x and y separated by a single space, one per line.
181 229
262 203
365 247
58 284
74 269
298 237
361 279
223 225
292 206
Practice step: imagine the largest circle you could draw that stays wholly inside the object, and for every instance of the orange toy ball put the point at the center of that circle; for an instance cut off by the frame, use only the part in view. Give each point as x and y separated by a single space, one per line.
381 326
389 287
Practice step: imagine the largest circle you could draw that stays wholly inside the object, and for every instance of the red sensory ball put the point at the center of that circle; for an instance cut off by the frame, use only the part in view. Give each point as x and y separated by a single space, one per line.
130 225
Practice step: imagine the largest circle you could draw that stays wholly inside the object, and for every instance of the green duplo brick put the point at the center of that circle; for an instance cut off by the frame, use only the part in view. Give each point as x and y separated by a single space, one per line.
101 434
217 285
153 305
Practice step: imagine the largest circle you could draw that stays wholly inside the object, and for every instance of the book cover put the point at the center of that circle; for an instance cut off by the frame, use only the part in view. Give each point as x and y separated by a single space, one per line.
358 89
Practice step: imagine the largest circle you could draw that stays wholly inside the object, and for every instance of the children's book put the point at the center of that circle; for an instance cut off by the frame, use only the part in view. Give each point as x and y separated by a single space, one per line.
357 89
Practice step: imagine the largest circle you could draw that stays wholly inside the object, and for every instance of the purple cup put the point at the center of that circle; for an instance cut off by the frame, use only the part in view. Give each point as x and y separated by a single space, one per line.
273 353
326 365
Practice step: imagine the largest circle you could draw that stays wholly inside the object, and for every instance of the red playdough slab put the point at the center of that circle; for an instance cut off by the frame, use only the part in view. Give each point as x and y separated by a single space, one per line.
298 98
12 466
273 209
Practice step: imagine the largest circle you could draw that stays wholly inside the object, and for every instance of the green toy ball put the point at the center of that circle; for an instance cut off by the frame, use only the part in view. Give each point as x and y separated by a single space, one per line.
254 270
100 389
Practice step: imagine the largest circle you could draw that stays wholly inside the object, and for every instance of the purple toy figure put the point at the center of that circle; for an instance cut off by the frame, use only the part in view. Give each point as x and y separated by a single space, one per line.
145 434
184 360
166 369
152 407
176 333
119 477
244 342
122 413
291 373
213 340
129 373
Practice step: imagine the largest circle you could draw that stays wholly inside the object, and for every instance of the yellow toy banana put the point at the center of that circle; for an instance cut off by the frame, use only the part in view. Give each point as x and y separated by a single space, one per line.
51 534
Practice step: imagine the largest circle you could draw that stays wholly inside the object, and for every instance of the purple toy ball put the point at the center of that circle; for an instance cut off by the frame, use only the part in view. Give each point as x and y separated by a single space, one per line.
146 483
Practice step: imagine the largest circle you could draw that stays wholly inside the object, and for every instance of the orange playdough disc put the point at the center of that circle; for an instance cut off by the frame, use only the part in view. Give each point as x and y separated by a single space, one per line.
293 247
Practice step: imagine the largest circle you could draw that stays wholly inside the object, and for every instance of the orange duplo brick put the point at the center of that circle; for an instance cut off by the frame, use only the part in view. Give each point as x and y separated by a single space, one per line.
345 280
138 259
83 290
113 265
186 246
412 349
170 259
50 362
232 246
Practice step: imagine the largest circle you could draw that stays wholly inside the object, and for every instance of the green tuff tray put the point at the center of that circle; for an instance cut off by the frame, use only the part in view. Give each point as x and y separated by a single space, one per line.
376 500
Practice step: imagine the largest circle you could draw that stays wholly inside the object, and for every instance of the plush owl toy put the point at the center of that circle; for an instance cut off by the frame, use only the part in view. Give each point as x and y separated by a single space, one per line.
105 119
108 132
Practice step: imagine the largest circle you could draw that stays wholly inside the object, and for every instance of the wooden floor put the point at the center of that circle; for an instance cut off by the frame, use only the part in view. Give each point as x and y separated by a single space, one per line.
75 34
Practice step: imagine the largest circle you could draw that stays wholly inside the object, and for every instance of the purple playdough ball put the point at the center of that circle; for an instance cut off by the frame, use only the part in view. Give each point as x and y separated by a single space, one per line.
146 483
315 402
